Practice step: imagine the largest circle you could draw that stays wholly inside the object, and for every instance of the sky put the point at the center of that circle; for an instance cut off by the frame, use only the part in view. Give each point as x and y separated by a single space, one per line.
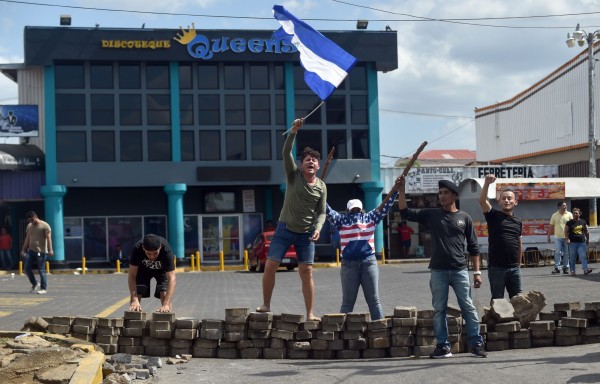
453 55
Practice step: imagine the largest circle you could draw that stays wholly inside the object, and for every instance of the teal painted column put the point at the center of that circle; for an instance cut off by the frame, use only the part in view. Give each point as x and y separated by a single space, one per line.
175 217
50 126
373 111
53 205
175 118
290 101
373 191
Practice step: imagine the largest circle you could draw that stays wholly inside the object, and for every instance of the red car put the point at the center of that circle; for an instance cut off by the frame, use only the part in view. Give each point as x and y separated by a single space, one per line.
257 254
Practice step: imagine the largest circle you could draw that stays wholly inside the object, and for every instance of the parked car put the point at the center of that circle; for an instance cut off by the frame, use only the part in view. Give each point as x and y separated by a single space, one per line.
259 249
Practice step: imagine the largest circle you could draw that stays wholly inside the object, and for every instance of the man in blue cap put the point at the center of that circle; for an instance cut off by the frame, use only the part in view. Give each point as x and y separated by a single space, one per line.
450 228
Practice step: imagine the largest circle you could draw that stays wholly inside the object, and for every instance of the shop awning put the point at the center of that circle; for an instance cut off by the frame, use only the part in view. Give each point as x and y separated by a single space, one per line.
21 157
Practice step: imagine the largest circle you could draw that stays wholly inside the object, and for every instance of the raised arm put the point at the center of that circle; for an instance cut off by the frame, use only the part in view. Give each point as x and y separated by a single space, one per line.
483 200
390 194
289 163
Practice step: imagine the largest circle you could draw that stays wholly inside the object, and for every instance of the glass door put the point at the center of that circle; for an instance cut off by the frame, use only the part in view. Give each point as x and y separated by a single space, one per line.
221 233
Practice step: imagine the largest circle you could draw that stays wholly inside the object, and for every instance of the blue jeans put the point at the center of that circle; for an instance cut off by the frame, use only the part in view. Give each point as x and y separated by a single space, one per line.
561 256
365 273
504 278
33 260
5 259
578 249
283 238
440 282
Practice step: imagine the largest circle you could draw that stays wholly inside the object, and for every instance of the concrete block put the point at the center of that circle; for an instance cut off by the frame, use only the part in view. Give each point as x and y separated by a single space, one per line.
277 343
259 325
563 341
379 342
185 334
136 323
292 318
60 329
554 316
211 334
84 337
229 353
108 331
260 316
591 339
333 318
132 332
377 324
425 322
425 340
424 314
297 354
497 336
378 353
426 332
497 345
358 317
359 344
519 343
85 321
567 331
274 353
423 350
204 352
134 315
163 316
186 323
152 341
347 354
319 345
103 339
251 353
287 326
161 334
378 333
404 321
352 335
284 335
116 322
238 311
522 334
234 336
228 345
298 345
400 351
205 343
108 349
567 306
355 326
589 314
303 335
262 343
591 331
241 344
592 305
323 355
325 335
174 343
211 324
130 341
259 333
405 312
335 345
573 322
541 334
310 325
542 342
84 329
63 320
132 349
404 330
542 325
160 326
235 327
332 327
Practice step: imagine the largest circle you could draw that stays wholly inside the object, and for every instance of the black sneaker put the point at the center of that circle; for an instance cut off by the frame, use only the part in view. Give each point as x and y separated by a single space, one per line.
555 271
441 351
478 350
565 271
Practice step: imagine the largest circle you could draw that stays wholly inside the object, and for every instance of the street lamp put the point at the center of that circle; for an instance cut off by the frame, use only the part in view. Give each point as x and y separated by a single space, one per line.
581 38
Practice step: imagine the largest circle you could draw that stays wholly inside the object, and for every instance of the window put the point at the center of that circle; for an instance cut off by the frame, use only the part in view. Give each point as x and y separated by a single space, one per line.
235 109
131 146
305 104
336 109
158 109
309 138
159 145
259 77
208 76
234 76
157 76
70 109
101 76
129 77
279 140
260 143
235 142
299 82
185 77
69 76
358 78
103 146
359 110
337 138
280 109
279 76
70 147
360 144
260 113
210 145
103 109
187 146
208 110
130 109
186 109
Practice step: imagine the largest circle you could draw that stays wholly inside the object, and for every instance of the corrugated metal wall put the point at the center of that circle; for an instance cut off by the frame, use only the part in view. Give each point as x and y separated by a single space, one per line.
553 114
31 91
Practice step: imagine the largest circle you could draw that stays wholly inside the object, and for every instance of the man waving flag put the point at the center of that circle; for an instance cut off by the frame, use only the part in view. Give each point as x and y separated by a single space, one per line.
326 64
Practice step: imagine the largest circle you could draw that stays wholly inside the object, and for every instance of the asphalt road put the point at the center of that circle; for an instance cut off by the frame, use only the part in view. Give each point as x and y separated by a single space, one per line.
205 295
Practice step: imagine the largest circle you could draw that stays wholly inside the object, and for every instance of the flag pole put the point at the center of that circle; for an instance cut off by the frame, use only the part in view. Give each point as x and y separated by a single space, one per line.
305 117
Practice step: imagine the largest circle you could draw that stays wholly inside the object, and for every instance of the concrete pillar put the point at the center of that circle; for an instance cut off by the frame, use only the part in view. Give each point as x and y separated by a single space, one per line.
175 217
53 205
373 191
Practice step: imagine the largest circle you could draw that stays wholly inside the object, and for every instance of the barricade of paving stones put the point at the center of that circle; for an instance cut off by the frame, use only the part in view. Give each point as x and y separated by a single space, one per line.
254 335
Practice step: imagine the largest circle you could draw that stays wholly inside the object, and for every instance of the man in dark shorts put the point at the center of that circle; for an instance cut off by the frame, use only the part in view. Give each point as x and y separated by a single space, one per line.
151 257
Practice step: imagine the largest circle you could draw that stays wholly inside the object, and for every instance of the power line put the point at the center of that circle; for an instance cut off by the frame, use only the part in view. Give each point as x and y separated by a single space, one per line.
426 114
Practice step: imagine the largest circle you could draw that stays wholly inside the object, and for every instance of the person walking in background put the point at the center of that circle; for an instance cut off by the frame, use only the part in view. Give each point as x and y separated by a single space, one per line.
405 232
36 249
359 263
300 222
557 228
450 229
504 239
5 248
578 239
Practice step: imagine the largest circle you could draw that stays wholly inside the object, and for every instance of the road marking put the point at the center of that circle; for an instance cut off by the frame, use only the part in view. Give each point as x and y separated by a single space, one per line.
2 314
108 311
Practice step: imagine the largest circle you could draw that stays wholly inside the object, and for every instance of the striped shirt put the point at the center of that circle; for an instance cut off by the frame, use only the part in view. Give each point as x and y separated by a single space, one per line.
357 230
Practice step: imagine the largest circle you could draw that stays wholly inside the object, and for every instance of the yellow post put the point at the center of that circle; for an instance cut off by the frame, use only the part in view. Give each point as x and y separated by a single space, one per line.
245 260
382 256
192 262
175 261
118 266
222 259
83 265
198 260
20 267
337 257
47 267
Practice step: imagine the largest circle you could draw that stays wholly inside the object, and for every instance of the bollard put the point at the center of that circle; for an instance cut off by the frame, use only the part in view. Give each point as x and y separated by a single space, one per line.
337 257
222 260
245 260
382 256
20 267
198 260
48 267
175 261
192 262
83 265
118 266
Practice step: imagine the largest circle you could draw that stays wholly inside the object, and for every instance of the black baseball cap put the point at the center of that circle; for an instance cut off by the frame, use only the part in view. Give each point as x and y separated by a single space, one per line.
448 184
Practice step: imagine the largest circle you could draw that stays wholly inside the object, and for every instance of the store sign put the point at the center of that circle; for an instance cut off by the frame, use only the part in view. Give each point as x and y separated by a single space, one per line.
136 44
201 47
425 179
19 120
534 191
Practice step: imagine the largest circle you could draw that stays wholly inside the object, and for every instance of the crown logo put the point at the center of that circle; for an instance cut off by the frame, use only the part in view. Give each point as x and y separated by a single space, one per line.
186 35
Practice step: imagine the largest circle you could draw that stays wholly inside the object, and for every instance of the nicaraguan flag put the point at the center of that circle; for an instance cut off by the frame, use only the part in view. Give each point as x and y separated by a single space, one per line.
326 64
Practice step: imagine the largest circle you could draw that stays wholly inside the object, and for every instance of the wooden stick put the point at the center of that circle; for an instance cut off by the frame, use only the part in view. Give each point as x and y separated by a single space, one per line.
329 158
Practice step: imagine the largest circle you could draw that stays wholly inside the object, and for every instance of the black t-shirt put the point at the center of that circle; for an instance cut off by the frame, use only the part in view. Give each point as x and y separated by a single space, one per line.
449 232
504 239
163 263
577 230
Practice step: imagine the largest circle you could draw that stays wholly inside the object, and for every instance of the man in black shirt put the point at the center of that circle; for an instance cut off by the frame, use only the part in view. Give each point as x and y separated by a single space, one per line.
578 239
504 242
151 257
450 228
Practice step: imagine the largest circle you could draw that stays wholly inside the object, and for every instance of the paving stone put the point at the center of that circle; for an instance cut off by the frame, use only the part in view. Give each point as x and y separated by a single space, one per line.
402 312
592 305
132 332
287 326
497 336
521 334
161 333
134 315
310 325
274 353
425 322
292 318
589 314
59 329
423 350
131 341
108 349
379 342
212 324
323 355
378 353
332 327
260 316
185 334
235 327
298 345
358 317
567 306
204 352
502 310
563 341
297 354
423 314
359 344
497 345
356 326
211 334
234 336
176 343
236 312
251 353
336 345
117 322
378 333
186 323
259 325
404 321
404 330
347 354
541 334
163 316
180 351
108 331
259 334
324 335
542 325
104 339
554 315
591 331
317 344
573 322
161 326
207 343
402 341
425 332
400 351
567 331
136 324
133 350
149 341
511 326
333 318
84 329
303 335
284 335
352 335
425 340
232 353
520 343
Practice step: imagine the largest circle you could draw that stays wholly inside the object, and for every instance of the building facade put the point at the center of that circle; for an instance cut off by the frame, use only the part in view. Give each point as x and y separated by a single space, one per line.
179 133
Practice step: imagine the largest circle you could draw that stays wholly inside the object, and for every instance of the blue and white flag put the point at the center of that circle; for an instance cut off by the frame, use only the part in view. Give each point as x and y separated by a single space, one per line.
326 64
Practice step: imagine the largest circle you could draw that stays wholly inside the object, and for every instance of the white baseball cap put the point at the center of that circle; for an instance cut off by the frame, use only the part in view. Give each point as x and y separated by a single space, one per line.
354 203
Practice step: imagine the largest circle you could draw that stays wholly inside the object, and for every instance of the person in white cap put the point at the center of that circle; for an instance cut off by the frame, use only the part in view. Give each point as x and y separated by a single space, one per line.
359 264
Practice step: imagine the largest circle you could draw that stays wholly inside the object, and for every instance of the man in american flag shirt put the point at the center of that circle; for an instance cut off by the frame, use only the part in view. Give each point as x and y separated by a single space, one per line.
359 264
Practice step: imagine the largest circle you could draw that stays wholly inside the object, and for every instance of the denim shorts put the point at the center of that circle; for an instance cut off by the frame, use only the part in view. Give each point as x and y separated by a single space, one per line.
283 238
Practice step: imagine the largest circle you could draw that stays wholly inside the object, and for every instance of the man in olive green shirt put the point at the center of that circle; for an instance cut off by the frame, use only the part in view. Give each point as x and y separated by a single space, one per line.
36 249
300 222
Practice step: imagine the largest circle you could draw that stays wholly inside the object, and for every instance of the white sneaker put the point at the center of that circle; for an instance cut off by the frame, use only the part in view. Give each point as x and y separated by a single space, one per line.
42 292
35 288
